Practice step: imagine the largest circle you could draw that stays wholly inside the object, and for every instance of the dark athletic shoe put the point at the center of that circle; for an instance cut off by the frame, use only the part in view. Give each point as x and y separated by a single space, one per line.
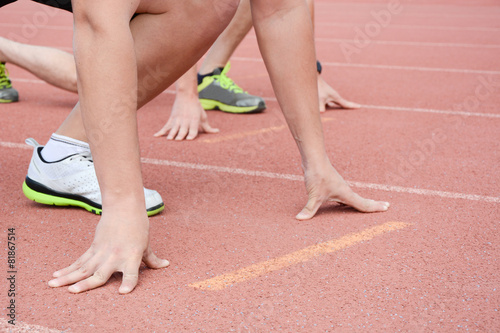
219 92
72 182
7 93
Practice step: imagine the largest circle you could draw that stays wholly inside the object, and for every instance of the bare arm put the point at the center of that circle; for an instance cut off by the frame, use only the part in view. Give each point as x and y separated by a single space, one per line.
285 35
107 78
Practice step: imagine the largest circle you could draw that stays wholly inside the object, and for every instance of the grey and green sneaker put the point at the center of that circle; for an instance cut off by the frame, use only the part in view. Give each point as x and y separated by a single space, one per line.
219 92
7 93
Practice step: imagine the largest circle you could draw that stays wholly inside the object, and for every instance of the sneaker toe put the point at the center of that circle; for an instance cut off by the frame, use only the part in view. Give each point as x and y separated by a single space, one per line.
249 101
9 95
153 198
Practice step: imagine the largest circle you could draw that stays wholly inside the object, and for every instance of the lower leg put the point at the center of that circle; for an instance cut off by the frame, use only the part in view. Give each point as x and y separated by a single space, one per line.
49 64
310 4
72 126
229 39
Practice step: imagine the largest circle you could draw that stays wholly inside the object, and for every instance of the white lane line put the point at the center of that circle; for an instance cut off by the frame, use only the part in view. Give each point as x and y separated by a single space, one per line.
425 11
328 24
343 64
413 68
406 68
21 327
457 113
403 43
235 171
413 27
443 194
15 145
274 175
406 109
343 10
380 107
407 43
48 27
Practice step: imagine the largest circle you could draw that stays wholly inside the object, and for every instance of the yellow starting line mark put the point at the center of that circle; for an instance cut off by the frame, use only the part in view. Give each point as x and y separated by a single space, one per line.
240 135
226 280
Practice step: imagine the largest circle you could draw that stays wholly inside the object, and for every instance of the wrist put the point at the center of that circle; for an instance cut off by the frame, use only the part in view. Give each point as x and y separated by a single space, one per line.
130 199
316 159
189 91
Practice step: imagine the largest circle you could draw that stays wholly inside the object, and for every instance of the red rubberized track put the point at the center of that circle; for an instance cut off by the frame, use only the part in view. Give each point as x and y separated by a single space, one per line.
427 140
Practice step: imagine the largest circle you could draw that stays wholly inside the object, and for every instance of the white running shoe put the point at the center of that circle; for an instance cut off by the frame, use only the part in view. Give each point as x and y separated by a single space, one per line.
72 182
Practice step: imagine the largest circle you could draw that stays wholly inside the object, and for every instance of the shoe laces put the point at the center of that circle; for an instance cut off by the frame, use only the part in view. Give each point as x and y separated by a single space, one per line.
4 77
83 157
226 82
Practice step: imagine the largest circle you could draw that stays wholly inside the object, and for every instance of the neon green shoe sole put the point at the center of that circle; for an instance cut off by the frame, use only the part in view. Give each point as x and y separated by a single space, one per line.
210 104
48 199
12 99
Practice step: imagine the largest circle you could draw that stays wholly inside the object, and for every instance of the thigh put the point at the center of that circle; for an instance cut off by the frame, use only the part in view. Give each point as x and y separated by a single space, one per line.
170 43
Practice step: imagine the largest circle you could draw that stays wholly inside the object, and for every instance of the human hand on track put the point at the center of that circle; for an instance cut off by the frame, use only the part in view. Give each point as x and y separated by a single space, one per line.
120 244
186 120
329 97
325 184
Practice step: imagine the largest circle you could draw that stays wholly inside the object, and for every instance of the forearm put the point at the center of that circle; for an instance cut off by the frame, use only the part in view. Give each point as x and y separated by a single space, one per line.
285 35
107 77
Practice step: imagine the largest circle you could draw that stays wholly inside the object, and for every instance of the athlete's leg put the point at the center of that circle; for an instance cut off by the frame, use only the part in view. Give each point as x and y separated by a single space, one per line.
229 39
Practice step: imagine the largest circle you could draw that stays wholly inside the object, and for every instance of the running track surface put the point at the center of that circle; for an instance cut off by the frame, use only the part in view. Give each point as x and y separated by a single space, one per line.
427 140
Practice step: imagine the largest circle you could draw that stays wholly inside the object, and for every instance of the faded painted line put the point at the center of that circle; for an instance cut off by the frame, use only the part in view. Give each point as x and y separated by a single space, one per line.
21 327
253 271
380 107
380 187
40 27
406 68
240 135
405 43
235 171
329 24
457 113
412 68
443 194
405 109
15 145
414 27
274 175
345 11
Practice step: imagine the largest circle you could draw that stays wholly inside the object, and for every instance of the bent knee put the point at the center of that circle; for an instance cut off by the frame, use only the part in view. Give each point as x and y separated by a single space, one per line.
96 15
